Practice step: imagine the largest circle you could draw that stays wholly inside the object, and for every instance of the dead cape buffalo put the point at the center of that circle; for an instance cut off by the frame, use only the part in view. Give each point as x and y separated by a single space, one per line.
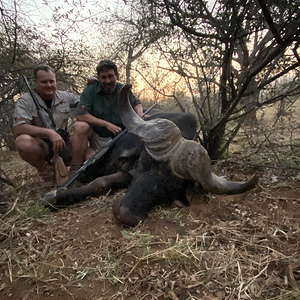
156 161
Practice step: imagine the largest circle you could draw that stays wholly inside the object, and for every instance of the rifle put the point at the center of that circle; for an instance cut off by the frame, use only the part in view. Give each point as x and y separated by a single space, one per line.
61 172
98 154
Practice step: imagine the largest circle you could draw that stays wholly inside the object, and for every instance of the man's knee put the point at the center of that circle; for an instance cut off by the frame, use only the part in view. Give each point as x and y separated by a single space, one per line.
24 142
28 144
81 127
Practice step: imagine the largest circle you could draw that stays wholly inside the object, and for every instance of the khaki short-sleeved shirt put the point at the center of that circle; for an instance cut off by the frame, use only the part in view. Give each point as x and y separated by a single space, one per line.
26 112
103 106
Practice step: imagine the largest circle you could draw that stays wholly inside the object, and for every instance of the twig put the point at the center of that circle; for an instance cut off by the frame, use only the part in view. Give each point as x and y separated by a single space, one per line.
172 295
12 208
9 265
291 278
255 277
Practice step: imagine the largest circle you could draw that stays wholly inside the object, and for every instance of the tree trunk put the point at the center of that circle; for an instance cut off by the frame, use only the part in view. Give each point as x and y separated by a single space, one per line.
214 141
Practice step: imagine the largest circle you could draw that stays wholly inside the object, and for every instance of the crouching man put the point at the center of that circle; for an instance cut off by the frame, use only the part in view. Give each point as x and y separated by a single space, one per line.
35 143
98 118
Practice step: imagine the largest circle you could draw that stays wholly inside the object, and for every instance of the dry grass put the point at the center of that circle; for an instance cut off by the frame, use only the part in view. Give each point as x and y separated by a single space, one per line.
241 259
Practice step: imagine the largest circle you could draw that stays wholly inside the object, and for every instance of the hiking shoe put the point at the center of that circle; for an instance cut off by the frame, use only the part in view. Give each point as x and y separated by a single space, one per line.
50 184
73 170
48 176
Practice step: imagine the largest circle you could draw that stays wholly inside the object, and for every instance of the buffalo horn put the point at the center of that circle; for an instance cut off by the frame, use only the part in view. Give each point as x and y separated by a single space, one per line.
129 118
188 159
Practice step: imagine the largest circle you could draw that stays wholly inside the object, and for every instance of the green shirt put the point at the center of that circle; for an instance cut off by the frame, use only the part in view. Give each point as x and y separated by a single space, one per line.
103 106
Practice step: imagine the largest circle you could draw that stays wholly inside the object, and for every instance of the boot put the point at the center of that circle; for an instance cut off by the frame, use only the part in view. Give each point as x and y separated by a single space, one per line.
73 169
48 176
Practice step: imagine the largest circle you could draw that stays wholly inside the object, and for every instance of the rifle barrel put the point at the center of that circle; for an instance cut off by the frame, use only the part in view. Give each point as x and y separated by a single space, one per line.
38 107
99 153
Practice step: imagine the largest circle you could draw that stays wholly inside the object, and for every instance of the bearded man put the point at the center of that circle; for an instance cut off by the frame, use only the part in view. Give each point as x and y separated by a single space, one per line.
98 118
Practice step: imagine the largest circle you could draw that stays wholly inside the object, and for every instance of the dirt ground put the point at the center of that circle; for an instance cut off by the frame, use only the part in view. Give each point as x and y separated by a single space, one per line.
220 247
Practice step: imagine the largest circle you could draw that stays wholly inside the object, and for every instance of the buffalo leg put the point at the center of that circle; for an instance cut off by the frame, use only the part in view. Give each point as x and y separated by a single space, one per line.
69 196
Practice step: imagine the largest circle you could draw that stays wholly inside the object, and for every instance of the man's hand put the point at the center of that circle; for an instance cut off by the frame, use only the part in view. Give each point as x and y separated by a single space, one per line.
40 132
139 110
58 142
91 80
114 129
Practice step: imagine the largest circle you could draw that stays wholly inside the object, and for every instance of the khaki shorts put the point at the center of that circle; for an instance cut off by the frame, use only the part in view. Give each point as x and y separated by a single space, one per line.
97 142
66 153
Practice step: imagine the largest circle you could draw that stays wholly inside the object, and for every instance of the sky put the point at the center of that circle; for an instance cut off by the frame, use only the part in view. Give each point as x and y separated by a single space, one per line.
39 14
35 10
43 9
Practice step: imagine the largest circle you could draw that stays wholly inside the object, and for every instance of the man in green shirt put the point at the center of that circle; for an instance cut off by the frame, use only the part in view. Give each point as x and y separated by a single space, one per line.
98 119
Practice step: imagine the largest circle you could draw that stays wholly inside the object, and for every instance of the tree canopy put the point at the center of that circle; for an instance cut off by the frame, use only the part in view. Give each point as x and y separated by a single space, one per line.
221 60
227 52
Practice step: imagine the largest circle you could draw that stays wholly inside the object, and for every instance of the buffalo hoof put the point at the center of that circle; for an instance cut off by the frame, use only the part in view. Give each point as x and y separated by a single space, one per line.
50 198
124 216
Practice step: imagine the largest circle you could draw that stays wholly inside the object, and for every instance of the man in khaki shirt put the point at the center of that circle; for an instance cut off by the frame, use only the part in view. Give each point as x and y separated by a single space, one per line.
35 143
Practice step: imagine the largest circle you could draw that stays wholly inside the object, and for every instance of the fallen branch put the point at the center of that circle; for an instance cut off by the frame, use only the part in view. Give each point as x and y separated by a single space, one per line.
12 208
